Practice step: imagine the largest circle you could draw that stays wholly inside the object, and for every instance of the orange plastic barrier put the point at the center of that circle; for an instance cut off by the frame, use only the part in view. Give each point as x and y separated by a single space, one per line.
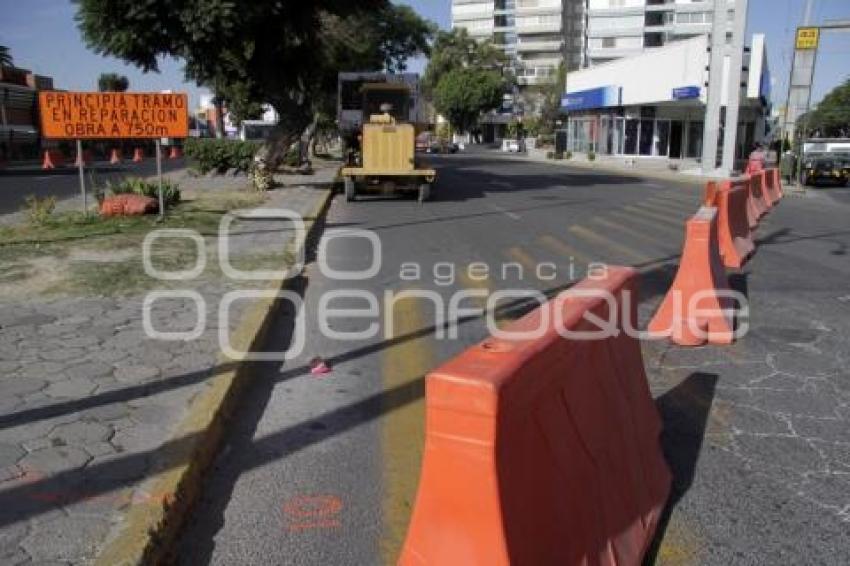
711 188
757 204
771 187
138 155
734 238
53 158
543 450
175 153
115 157
695 311
128 205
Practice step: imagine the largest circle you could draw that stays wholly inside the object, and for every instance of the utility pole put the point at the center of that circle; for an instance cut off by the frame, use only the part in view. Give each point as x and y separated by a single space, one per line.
736 62
714 98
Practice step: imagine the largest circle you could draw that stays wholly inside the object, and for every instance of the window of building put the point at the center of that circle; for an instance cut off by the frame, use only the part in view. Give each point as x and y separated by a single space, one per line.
609 42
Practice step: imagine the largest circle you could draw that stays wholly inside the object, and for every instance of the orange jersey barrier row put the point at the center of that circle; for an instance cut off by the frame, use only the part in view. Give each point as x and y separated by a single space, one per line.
543 450
734 237
697 308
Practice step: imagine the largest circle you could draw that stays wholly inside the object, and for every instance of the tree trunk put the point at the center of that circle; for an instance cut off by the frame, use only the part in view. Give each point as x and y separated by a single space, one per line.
218 103
308 138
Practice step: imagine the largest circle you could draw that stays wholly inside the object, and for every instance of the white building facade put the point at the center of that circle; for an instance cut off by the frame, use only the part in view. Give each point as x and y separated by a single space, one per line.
653 104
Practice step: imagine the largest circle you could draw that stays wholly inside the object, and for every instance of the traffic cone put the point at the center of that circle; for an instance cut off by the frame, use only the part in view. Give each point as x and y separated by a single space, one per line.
175 153
116 157
138 155
48 162
83 158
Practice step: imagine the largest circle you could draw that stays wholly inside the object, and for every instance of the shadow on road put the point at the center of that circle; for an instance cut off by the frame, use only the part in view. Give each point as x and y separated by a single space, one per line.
684 413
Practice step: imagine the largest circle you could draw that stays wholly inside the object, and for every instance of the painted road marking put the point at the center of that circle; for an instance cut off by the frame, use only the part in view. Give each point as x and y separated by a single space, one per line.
632 232
664 207
656 216
508 213
592 236
565 250
518 255
403 428
651 224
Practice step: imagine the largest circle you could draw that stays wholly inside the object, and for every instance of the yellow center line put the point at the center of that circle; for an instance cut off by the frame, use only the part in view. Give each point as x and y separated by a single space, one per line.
520 256
403 428
565 250
610 244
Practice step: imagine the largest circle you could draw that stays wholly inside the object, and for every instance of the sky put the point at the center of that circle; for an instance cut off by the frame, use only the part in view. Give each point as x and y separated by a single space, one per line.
43 37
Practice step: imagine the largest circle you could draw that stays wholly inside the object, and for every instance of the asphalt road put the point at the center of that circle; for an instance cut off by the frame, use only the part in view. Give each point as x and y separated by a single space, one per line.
323 469
64 183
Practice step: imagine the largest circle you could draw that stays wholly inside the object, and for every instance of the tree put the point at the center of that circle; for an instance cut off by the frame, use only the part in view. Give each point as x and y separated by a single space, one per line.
831 118
5 57
552 93
112 82
264 50
463 94
455 49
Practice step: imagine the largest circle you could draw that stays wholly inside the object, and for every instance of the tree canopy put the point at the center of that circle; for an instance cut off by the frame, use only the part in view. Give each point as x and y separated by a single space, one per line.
285 53
831 118
464 93
456 49
112 82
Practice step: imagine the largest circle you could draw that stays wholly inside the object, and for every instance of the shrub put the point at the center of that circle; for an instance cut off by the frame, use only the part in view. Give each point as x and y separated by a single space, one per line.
136 186
550 155
545 140
559 155
591 156
39 210
568 155
219 155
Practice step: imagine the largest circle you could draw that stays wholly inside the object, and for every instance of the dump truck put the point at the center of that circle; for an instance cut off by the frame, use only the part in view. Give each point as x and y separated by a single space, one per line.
378 120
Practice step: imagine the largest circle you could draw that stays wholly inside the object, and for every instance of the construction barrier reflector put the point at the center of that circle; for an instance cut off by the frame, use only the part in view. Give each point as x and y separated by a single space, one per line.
734 238
543 449
138 155
115 157
697 309
175 153
53 158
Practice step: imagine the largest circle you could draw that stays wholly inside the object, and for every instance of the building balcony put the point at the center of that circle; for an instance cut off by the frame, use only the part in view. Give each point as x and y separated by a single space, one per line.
542 46
613 52
554 27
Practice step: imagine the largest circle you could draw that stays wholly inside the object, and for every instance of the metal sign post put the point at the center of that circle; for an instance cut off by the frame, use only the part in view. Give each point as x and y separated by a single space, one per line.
159 177
80 163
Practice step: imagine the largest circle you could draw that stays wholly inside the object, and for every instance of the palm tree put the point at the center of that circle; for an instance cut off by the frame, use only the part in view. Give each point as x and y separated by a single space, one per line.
5 56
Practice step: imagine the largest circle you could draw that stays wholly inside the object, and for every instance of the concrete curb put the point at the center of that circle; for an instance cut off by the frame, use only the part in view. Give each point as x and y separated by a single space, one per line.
153 523
680 178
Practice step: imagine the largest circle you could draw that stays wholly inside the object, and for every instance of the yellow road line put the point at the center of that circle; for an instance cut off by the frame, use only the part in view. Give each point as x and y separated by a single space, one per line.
656 216
652 224
634 233
518 255
565 250
403 428
668 209
583 232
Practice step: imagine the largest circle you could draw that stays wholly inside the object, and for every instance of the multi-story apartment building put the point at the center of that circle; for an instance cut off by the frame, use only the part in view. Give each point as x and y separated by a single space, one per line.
538 34
623 28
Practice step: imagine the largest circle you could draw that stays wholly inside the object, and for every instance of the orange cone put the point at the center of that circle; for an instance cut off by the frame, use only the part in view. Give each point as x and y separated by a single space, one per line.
138 155
175 153
86 158
697 308
115 157
49 161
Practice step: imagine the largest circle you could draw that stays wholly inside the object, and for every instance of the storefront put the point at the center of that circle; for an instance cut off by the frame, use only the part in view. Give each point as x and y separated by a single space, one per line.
653 105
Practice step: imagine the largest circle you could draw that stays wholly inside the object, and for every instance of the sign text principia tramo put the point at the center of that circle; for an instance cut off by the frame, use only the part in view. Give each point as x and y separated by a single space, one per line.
112 115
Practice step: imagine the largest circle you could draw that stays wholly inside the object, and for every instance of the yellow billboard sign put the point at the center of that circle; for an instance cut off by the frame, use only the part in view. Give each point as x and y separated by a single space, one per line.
808 38
113 115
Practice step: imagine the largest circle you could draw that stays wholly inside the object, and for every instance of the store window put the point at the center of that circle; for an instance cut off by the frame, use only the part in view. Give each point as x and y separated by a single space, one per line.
645 136
631 137
662 138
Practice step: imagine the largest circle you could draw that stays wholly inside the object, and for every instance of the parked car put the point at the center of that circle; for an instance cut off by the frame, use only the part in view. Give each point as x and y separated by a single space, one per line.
825 169
510 146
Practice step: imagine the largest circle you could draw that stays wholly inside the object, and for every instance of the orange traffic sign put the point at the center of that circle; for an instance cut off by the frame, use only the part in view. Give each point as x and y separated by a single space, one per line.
111 115
807 38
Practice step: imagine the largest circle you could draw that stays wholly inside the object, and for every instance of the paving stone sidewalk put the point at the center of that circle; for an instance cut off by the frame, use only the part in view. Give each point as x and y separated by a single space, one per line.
88 400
